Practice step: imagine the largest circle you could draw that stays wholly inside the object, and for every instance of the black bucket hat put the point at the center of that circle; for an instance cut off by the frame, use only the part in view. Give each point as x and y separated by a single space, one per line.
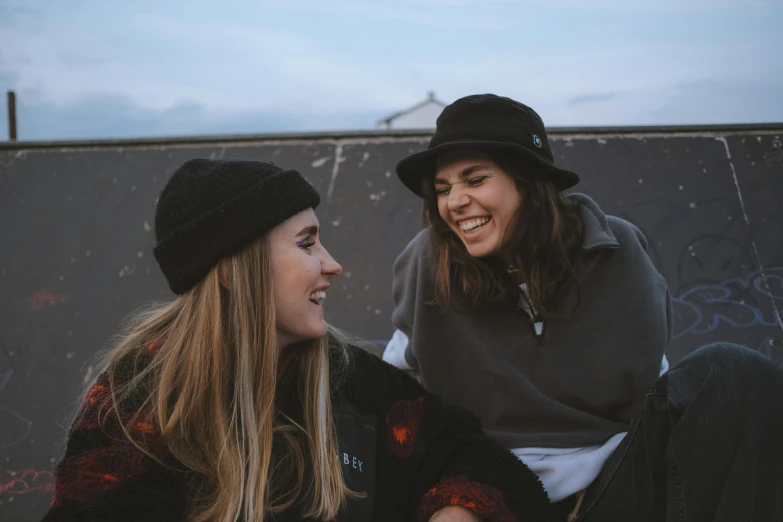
486 122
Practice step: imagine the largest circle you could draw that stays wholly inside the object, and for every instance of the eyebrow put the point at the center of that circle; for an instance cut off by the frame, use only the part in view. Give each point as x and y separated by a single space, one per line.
467 171
312 230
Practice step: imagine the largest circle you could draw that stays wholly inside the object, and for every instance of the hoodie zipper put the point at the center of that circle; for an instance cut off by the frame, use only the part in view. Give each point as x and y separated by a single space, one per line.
537 325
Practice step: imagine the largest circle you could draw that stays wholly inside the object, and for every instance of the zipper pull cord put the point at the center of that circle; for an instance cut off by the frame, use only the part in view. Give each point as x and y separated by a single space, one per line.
533 315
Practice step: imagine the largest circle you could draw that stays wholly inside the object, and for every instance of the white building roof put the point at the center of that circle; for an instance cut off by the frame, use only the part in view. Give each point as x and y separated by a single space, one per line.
423 115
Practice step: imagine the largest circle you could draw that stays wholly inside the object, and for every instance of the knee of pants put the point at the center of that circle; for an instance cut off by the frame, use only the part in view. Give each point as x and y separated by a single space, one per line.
731 369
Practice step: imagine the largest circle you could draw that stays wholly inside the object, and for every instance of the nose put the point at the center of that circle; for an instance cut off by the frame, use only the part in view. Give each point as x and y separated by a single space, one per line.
329 267
457 198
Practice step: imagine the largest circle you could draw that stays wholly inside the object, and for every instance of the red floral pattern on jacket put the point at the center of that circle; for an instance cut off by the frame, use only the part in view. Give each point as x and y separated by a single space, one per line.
404 421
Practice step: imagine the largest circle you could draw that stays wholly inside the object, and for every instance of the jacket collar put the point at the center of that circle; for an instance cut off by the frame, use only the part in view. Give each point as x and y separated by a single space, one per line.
597 232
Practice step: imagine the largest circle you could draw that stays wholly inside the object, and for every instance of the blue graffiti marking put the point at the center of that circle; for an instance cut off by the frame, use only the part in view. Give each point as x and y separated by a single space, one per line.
27 423
16 420
692 308
4 378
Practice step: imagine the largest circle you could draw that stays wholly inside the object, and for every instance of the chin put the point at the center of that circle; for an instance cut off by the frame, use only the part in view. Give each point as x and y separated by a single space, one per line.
481 252
318 331
308 334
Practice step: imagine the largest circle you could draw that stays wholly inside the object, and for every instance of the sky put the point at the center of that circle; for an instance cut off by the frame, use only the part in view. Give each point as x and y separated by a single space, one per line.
138 68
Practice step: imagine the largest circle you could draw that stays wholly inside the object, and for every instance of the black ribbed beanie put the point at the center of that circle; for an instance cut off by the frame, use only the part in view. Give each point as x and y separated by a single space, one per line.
210 209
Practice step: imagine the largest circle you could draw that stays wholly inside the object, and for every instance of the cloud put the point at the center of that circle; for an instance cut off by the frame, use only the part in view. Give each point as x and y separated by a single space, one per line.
145 69
173 62
482 20
112 116
460 3
615 5
712 100
15 14
19 17
592 98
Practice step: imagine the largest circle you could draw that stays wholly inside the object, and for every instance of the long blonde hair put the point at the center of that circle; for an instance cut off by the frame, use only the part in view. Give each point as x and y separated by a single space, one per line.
210 392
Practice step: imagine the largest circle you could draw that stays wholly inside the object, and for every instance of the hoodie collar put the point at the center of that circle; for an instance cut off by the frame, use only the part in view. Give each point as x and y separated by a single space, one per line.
597 232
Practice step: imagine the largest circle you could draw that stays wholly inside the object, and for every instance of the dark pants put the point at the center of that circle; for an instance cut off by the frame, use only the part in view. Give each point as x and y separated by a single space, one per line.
708 446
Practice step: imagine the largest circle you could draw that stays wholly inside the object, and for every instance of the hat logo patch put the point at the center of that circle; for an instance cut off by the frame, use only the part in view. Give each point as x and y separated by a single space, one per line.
537 141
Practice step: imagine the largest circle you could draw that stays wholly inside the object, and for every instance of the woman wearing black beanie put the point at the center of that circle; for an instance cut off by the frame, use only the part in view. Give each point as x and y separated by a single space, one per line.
237 402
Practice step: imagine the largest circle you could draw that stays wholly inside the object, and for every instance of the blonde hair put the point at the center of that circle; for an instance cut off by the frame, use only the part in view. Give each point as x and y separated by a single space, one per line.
210 392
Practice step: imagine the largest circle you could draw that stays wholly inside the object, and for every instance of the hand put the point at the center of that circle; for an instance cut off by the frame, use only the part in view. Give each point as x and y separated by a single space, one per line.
454 514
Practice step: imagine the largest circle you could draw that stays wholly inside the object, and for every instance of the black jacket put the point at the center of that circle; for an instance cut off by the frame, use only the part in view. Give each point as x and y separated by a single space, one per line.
407 451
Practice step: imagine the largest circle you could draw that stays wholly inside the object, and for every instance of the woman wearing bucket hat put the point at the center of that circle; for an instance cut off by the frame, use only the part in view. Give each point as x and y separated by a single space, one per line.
236 401
548 320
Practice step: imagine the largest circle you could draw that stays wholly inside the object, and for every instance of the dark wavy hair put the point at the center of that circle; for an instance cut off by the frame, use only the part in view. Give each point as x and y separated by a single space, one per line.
543 244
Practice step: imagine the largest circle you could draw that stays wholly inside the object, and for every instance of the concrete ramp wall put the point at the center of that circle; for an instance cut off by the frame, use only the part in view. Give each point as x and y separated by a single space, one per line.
76 242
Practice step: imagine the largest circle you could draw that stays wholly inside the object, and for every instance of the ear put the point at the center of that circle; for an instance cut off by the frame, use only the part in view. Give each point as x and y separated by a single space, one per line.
224 269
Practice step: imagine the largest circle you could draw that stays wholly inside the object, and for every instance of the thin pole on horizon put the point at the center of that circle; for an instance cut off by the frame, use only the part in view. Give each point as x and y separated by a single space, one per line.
11 116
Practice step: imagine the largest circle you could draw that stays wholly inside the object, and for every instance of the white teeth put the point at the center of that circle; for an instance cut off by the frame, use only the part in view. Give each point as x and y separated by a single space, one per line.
318 296
473 223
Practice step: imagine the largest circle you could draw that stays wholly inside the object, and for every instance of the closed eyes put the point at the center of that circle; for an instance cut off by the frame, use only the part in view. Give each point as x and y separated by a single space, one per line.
473 182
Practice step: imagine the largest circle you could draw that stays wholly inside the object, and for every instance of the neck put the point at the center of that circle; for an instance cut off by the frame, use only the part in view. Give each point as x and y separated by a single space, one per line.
282 342
517 276
509 266
286 356
506 257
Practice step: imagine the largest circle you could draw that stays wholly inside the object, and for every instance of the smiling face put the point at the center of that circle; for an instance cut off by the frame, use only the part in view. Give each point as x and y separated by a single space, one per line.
476 199
301 270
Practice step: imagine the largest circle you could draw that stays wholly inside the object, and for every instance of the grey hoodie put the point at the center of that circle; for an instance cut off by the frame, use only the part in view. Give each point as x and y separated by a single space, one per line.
583 381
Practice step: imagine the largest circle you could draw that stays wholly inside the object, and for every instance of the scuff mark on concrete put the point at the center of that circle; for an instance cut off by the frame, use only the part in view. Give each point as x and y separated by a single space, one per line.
338 158
766 284
43 297
734 174
319 162
747 221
